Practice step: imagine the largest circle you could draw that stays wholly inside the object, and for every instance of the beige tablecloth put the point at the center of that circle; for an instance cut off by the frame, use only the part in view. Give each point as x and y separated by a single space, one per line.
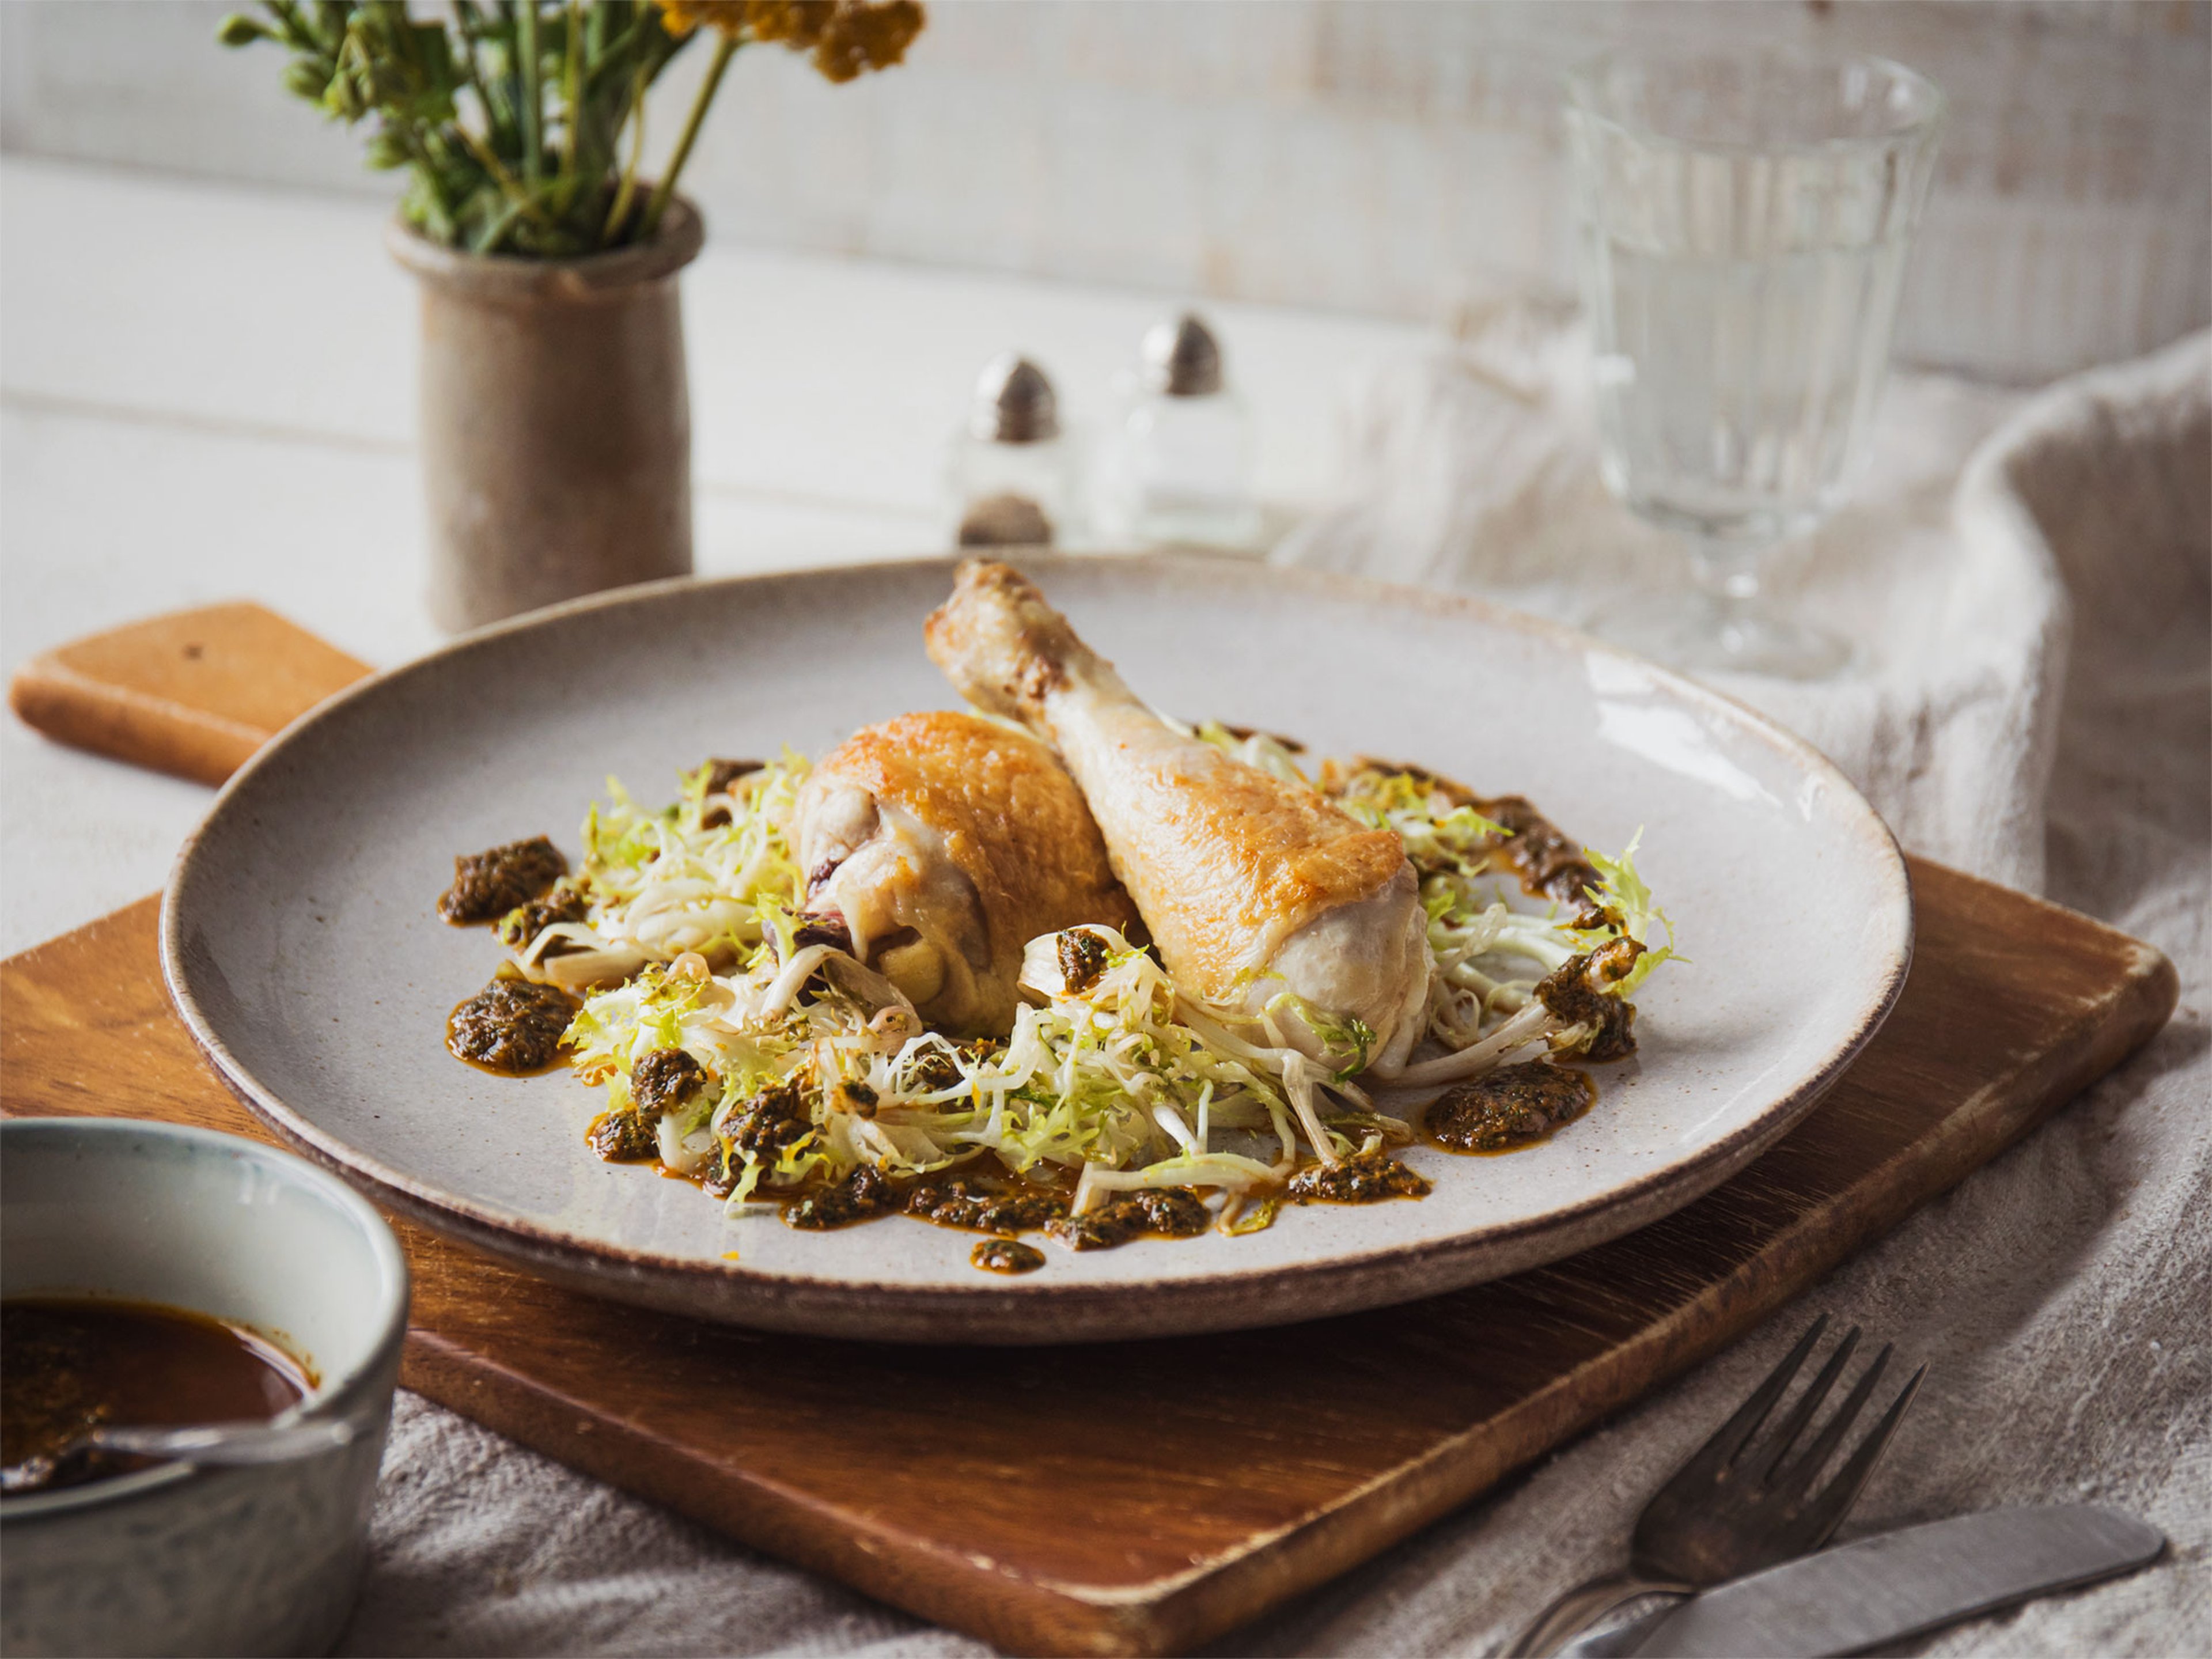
2032 582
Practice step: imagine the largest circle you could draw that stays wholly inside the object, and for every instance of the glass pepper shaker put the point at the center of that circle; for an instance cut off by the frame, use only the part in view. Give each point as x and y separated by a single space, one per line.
1179 469
1012 473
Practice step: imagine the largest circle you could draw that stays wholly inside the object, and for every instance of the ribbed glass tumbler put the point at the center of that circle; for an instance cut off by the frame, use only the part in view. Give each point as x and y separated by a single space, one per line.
1743 223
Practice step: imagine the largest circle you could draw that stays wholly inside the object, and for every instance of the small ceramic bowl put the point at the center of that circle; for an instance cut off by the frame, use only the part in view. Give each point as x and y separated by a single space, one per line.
175 1559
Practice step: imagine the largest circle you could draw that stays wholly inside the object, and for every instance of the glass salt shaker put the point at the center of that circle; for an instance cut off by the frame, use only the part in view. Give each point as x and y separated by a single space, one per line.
1013 471
1179 469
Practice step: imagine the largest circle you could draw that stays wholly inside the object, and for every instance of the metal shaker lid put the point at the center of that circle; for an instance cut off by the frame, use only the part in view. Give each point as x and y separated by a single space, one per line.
1014 403
1182 358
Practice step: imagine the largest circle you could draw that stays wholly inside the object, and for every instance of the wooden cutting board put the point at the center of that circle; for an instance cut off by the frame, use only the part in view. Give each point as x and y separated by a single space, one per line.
191 693
1146 1496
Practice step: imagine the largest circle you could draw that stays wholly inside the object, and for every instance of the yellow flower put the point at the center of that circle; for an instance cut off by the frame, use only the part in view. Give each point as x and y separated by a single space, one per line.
860 37
848 37
797 23
682 16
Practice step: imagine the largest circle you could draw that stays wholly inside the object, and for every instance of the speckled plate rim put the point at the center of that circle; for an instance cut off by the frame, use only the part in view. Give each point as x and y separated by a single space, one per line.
1016 1312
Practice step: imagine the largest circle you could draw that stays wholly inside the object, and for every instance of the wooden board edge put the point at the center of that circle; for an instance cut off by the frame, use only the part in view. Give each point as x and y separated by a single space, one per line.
121 693
915 1575
128 726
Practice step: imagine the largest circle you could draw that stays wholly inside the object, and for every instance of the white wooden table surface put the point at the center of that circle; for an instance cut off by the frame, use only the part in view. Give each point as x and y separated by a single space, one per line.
207 393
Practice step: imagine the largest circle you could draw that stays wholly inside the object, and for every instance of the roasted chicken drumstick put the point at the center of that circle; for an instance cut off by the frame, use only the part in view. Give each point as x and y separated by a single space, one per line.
1251 885
934 847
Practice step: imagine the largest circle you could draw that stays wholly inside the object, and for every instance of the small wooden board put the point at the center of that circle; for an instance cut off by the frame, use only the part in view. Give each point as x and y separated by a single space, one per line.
1146 1496
191 692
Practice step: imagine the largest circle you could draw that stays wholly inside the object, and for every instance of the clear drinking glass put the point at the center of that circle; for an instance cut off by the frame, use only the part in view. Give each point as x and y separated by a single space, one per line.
1742 222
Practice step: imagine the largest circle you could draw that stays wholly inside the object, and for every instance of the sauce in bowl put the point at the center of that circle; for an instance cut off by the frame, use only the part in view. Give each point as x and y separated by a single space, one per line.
69 1365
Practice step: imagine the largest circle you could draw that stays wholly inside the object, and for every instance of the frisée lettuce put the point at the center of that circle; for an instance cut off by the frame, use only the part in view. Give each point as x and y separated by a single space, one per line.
709 874
739 1051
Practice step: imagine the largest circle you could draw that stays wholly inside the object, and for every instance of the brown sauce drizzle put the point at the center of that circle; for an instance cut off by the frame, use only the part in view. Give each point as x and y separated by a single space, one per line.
721 774
1004 1205
1147 1212
623 1137
1508 1109
864 1195
1082 957
489 884
1359 1178
564 902
512 1028
1001 1205
1006 1255
69 1365
1548 862
663 1080
1570 993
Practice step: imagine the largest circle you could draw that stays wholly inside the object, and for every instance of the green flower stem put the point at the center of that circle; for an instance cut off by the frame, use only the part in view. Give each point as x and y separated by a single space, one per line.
572 95
620 211
471 27
724 49
517 197
533 92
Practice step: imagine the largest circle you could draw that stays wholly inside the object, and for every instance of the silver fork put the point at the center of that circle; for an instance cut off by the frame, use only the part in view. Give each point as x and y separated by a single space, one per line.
1733 1509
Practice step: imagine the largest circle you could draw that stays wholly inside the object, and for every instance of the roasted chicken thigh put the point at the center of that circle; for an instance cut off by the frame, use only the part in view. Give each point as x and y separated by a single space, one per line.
939 845
1251 885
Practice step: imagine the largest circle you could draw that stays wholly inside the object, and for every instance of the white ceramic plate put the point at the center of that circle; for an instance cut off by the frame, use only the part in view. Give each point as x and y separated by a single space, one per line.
301 946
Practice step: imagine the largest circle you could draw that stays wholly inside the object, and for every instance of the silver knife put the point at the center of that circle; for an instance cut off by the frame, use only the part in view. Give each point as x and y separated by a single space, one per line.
1892 1586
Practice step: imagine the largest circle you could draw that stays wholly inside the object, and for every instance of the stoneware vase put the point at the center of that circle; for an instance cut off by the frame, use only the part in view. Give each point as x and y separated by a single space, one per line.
556 426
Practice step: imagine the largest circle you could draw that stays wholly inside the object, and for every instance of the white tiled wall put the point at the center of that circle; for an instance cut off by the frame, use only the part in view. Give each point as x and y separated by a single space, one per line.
1379 156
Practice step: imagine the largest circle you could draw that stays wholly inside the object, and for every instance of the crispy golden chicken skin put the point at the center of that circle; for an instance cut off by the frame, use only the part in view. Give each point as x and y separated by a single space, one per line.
943 843
1251 884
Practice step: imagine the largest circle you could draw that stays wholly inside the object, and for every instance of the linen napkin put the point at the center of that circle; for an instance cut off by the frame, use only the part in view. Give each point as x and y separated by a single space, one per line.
1476 469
